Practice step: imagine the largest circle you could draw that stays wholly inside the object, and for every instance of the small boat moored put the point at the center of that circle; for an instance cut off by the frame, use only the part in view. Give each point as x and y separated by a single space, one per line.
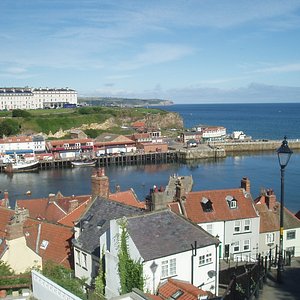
21 166
83 163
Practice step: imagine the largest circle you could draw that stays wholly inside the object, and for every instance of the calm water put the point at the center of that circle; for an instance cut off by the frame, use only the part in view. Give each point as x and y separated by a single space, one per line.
261 168
261 121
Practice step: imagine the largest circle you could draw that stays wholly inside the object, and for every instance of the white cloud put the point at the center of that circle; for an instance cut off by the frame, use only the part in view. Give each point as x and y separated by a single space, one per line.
279 69
156 54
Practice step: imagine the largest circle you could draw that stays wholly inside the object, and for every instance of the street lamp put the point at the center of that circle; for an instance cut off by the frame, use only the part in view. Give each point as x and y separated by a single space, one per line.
284 153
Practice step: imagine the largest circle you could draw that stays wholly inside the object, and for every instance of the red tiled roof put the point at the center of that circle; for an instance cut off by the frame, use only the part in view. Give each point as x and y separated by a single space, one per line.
5 215
69 220
57 240
51 211
16 139
138 124
221 211
269 218
128 198
189 291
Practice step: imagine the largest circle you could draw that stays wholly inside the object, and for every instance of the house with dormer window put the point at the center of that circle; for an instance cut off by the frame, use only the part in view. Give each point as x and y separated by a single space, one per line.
168 246
228 214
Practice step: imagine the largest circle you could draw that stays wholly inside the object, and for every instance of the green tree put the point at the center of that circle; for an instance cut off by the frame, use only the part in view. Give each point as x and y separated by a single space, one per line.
100 279
65 278
20 113
9 127
130 271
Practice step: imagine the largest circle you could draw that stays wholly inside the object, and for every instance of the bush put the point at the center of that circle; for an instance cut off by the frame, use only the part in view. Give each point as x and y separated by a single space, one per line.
9 127
19 113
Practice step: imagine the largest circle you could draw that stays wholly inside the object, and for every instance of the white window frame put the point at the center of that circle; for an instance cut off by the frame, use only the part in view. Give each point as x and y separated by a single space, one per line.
233 203
247 223
270 238
209 228
237 225
78 258
208 258
84 262
236 245
168 268
293 232
201 260
246 245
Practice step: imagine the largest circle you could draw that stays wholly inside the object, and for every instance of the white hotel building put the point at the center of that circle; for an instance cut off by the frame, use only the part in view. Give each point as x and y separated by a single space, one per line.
35 98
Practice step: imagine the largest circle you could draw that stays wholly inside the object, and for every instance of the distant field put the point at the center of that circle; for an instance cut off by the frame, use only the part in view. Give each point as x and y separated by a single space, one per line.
46 120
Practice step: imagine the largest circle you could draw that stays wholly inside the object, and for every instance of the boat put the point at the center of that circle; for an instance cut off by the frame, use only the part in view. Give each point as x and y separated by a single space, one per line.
83 163
21 166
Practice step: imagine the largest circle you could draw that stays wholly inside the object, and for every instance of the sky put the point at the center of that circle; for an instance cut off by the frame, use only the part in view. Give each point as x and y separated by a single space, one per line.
186 51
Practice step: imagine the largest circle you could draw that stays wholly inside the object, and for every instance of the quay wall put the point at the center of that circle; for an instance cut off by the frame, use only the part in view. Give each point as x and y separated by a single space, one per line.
265 145
200 154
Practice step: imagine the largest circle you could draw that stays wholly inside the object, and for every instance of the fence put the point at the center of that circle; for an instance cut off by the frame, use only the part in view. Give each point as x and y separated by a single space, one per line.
244 281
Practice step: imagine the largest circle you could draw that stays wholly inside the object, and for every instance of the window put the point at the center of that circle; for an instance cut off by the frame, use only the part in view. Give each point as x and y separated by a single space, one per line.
78 261
236 246
233 204
237 226
168 267
208 258
291 250
247 225
84 263
201 260
44 244
231 201
246 245
291 235
209 228
270 238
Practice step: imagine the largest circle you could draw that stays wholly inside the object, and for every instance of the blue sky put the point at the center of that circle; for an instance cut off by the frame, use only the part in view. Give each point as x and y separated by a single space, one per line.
188 51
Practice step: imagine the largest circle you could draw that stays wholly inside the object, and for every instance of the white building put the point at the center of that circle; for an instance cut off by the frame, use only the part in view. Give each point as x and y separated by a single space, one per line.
227 214
32 98
269 211
22 145
167 245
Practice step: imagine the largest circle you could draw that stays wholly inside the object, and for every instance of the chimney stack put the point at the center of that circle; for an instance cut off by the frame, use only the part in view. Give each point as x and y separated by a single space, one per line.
100 184
245 184
270 199
73 204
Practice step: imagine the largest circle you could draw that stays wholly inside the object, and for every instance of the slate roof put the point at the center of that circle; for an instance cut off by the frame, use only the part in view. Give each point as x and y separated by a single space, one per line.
221 211
164 233
96 221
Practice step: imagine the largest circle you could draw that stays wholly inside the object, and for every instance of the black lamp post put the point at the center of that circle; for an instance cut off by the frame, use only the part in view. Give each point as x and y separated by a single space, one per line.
284 153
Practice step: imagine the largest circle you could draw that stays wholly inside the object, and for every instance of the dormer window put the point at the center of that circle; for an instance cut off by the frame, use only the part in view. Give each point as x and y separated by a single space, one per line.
232 203
44 244
206 205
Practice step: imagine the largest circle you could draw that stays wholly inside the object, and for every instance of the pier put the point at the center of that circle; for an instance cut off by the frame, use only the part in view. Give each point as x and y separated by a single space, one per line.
119 160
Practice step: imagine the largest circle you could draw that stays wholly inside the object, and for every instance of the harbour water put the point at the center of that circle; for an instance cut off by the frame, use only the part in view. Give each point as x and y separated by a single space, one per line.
261 168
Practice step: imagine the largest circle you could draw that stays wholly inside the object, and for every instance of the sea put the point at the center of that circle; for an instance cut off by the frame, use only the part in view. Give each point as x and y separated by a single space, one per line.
260 121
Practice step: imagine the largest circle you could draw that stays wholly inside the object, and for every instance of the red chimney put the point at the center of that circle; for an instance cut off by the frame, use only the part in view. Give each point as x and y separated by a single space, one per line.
270 199
100 184
245 184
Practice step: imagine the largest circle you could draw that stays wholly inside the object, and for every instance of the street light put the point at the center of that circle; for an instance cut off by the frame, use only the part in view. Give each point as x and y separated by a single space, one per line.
284 153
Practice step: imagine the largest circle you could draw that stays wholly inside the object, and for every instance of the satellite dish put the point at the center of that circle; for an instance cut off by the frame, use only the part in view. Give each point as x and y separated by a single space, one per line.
211 273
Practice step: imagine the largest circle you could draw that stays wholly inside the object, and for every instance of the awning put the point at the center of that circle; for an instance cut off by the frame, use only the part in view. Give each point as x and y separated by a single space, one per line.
19 151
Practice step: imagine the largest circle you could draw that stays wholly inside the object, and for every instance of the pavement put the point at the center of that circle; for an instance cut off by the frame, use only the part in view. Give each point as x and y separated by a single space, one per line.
289 289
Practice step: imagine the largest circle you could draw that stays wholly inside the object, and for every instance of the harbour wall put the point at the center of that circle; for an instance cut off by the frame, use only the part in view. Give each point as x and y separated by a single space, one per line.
261 145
